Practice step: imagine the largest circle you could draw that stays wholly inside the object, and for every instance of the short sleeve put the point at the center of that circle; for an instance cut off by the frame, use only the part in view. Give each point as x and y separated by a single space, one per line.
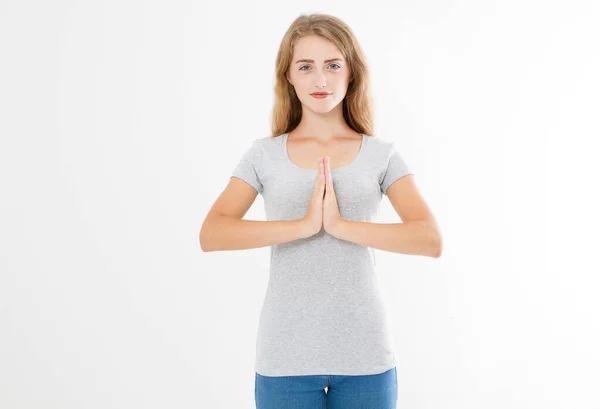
396 168
248 167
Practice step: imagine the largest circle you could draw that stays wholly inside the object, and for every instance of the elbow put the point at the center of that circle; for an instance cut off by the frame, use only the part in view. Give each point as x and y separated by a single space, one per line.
203 239
438 246
433 239
203 246
212 237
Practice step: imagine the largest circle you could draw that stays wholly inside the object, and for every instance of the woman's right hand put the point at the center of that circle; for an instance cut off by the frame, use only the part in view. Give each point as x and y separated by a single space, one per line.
313 221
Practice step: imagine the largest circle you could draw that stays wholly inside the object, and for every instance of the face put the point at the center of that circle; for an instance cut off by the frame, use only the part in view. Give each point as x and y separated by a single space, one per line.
318 65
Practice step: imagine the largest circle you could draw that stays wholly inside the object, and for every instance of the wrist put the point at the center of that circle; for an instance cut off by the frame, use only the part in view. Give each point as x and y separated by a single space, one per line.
337 228
303 228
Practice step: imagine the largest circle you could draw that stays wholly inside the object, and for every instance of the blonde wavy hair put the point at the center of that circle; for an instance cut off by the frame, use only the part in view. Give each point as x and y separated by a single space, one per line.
357 103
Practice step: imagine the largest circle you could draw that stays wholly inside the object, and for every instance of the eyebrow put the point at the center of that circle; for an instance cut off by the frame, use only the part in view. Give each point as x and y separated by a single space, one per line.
331 59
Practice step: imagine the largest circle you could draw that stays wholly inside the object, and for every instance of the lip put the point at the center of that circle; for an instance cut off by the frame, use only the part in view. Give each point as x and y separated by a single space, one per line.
320 94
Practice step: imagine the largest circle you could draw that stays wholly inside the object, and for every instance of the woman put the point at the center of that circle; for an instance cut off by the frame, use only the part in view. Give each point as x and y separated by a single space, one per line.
323 339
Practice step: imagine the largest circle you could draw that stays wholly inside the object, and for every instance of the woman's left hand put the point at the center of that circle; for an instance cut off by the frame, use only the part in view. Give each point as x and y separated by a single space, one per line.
332 219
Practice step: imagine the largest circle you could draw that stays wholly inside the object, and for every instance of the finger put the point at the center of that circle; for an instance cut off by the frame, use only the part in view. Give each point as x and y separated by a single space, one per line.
329 178
318 170
325 182
327 188
321 173
319 177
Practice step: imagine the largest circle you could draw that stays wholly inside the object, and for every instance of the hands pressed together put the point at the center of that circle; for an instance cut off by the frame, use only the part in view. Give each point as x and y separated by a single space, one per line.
323 210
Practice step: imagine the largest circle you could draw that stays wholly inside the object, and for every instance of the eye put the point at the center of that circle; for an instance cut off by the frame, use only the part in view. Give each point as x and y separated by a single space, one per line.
337 65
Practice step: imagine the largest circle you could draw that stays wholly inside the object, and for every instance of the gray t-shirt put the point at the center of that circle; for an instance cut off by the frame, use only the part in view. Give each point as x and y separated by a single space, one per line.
322 313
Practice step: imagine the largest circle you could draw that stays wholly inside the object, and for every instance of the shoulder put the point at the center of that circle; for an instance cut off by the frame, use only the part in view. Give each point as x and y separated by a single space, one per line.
380 149
266 142
267 145
262 149
257 145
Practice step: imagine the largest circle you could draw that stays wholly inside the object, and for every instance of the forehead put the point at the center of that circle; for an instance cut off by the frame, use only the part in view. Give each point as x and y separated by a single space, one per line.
316 48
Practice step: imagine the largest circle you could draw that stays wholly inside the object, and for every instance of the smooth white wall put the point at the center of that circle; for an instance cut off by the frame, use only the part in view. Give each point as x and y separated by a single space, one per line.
121 122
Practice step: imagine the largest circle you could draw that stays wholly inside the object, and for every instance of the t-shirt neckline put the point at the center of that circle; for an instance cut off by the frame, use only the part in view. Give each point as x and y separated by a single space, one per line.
289 161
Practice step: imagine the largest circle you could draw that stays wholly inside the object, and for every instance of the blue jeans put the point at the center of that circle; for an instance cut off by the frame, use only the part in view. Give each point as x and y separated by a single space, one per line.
378 391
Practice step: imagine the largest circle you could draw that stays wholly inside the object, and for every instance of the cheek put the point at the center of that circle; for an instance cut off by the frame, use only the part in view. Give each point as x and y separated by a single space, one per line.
341 85
303 82
340 92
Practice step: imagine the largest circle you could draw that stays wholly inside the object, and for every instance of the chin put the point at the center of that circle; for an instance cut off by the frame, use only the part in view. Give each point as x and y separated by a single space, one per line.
321 108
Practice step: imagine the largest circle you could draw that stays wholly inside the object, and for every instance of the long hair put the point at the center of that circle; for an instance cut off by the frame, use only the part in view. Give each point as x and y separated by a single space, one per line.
357 103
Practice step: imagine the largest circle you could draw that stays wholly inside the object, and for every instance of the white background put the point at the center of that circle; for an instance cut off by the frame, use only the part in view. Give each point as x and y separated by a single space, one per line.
121 122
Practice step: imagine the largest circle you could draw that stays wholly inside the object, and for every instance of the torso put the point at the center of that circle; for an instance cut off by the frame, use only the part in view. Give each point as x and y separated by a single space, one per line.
305 152
312 278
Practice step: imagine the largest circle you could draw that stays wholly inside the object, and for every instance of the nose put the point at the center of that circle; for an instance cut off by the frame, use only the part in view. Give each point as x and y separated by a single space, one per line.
321 81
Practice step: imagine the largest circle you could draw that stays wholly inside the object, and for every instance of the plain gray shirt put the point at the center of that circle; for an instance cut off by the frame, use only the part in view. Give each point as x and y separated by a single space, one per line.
322 313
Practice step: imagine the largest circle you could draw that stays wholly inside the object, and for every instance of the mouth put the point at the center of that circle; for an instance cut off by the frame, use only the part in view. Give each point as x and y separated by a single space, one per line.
317 94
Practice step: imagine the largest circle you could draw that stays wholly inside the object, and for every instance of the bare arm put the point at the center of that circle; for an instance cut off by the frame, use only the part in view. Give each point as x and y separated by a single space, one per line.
415 238
221 232
418 234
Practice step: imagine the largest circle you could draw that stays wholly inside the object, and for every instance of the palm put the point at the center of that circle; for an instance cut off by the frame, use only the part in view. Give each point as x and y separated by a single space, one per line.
331 210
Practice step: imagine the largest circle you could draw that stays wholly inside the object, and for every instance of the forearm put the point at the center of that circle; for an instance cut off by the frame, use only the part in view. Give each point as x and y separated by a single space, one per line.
229 233
407 238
